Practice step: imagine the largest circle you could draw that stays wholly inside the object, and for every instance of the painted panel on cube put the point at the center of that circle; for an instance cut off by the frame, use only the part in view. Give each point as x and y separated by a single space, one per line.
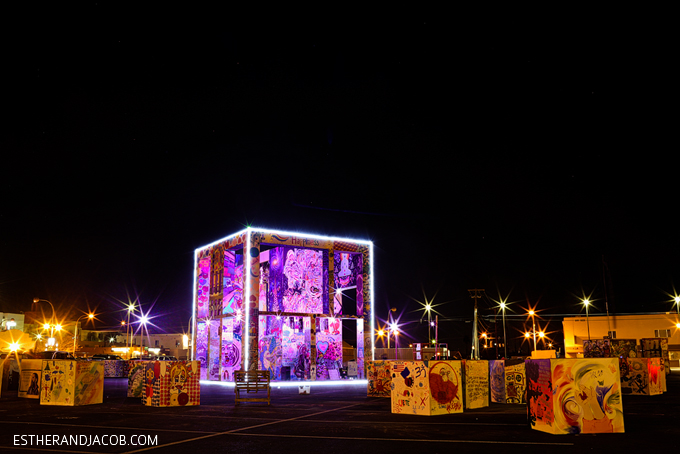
231 348
655 372
596 348
476 380
410 387
214 338
203 287
328 347
176 384
587 395
497 380
379 378
635 378
297 279
136 378
152 370
202 348
623 348
540 394
446 387
115 368
89 384
71 383
29 380
515 382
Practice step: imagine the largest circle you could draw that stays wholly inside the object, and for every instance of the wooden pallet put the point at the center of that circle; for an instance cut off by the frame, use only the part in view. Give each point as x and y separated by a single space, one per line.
252 382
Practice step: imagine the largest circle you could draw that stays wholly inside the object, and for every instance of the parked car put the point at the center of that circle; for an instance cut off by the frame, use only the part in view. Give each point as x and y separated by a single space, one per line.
53 355
166 358
105 356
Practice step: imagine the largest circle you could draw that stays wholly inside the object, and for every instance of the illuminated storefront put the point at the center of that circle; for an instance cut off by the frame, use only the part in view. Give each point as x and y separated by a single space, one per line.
278 301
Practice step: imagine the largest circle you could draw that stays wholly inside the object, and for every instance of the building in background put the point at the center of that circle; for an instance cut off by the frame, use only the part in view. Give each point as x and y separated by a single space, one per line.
629 326
11 321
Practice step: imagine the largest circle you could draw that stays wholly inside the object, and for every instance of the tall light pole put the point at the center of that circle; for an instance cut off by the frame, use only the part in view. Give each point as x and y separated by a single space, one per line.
38 300
533 321
130 308
475 294
505 343
586 303
142 321
390 322
428 308
393 328
436 336
75 332
51 340
677 304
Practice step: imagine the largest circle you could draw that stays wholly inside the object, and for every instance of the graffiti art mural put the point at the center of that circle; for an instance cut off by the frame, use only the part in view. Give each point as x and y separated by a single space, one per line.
426 389
136 378
116 368
597 348
379 378
172 384
410 387
642 376
446 387
515 382
497 380
572 396
623 348
476 383
328 348
29 382
71 383
289 324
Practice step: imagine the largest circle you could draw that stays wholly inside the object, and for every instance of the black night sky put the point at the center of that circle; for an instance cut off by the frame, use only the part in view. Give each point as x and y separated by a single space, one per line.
475 152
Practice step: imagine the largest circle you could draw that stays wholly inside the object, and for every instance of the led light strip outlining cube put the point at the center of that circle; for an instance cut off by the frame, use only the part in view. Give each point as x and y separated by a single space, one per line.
207 273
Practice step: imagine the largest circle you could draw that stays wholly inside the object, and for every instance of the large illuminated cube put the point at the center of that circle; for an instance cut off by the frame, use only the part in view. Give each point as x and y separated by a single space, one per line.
476 381
172 384
277 301
427 388
71 383
573 396
379 378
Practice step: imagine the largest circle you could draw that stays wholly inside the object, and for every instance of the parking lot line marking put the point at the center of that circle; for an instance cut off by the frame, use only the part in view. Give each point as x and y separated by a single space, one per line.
418 440
413 423
238 430
103 427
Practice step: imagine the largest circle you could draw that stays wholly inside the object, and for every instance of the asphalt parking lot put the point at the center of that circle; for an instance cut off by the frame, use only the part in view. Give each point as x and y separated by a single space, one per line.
328 420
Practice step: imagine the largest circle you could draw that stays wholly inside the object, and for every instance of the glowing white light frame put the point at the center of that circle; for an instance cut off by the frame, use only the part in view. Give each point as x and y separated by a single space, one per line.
246 294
